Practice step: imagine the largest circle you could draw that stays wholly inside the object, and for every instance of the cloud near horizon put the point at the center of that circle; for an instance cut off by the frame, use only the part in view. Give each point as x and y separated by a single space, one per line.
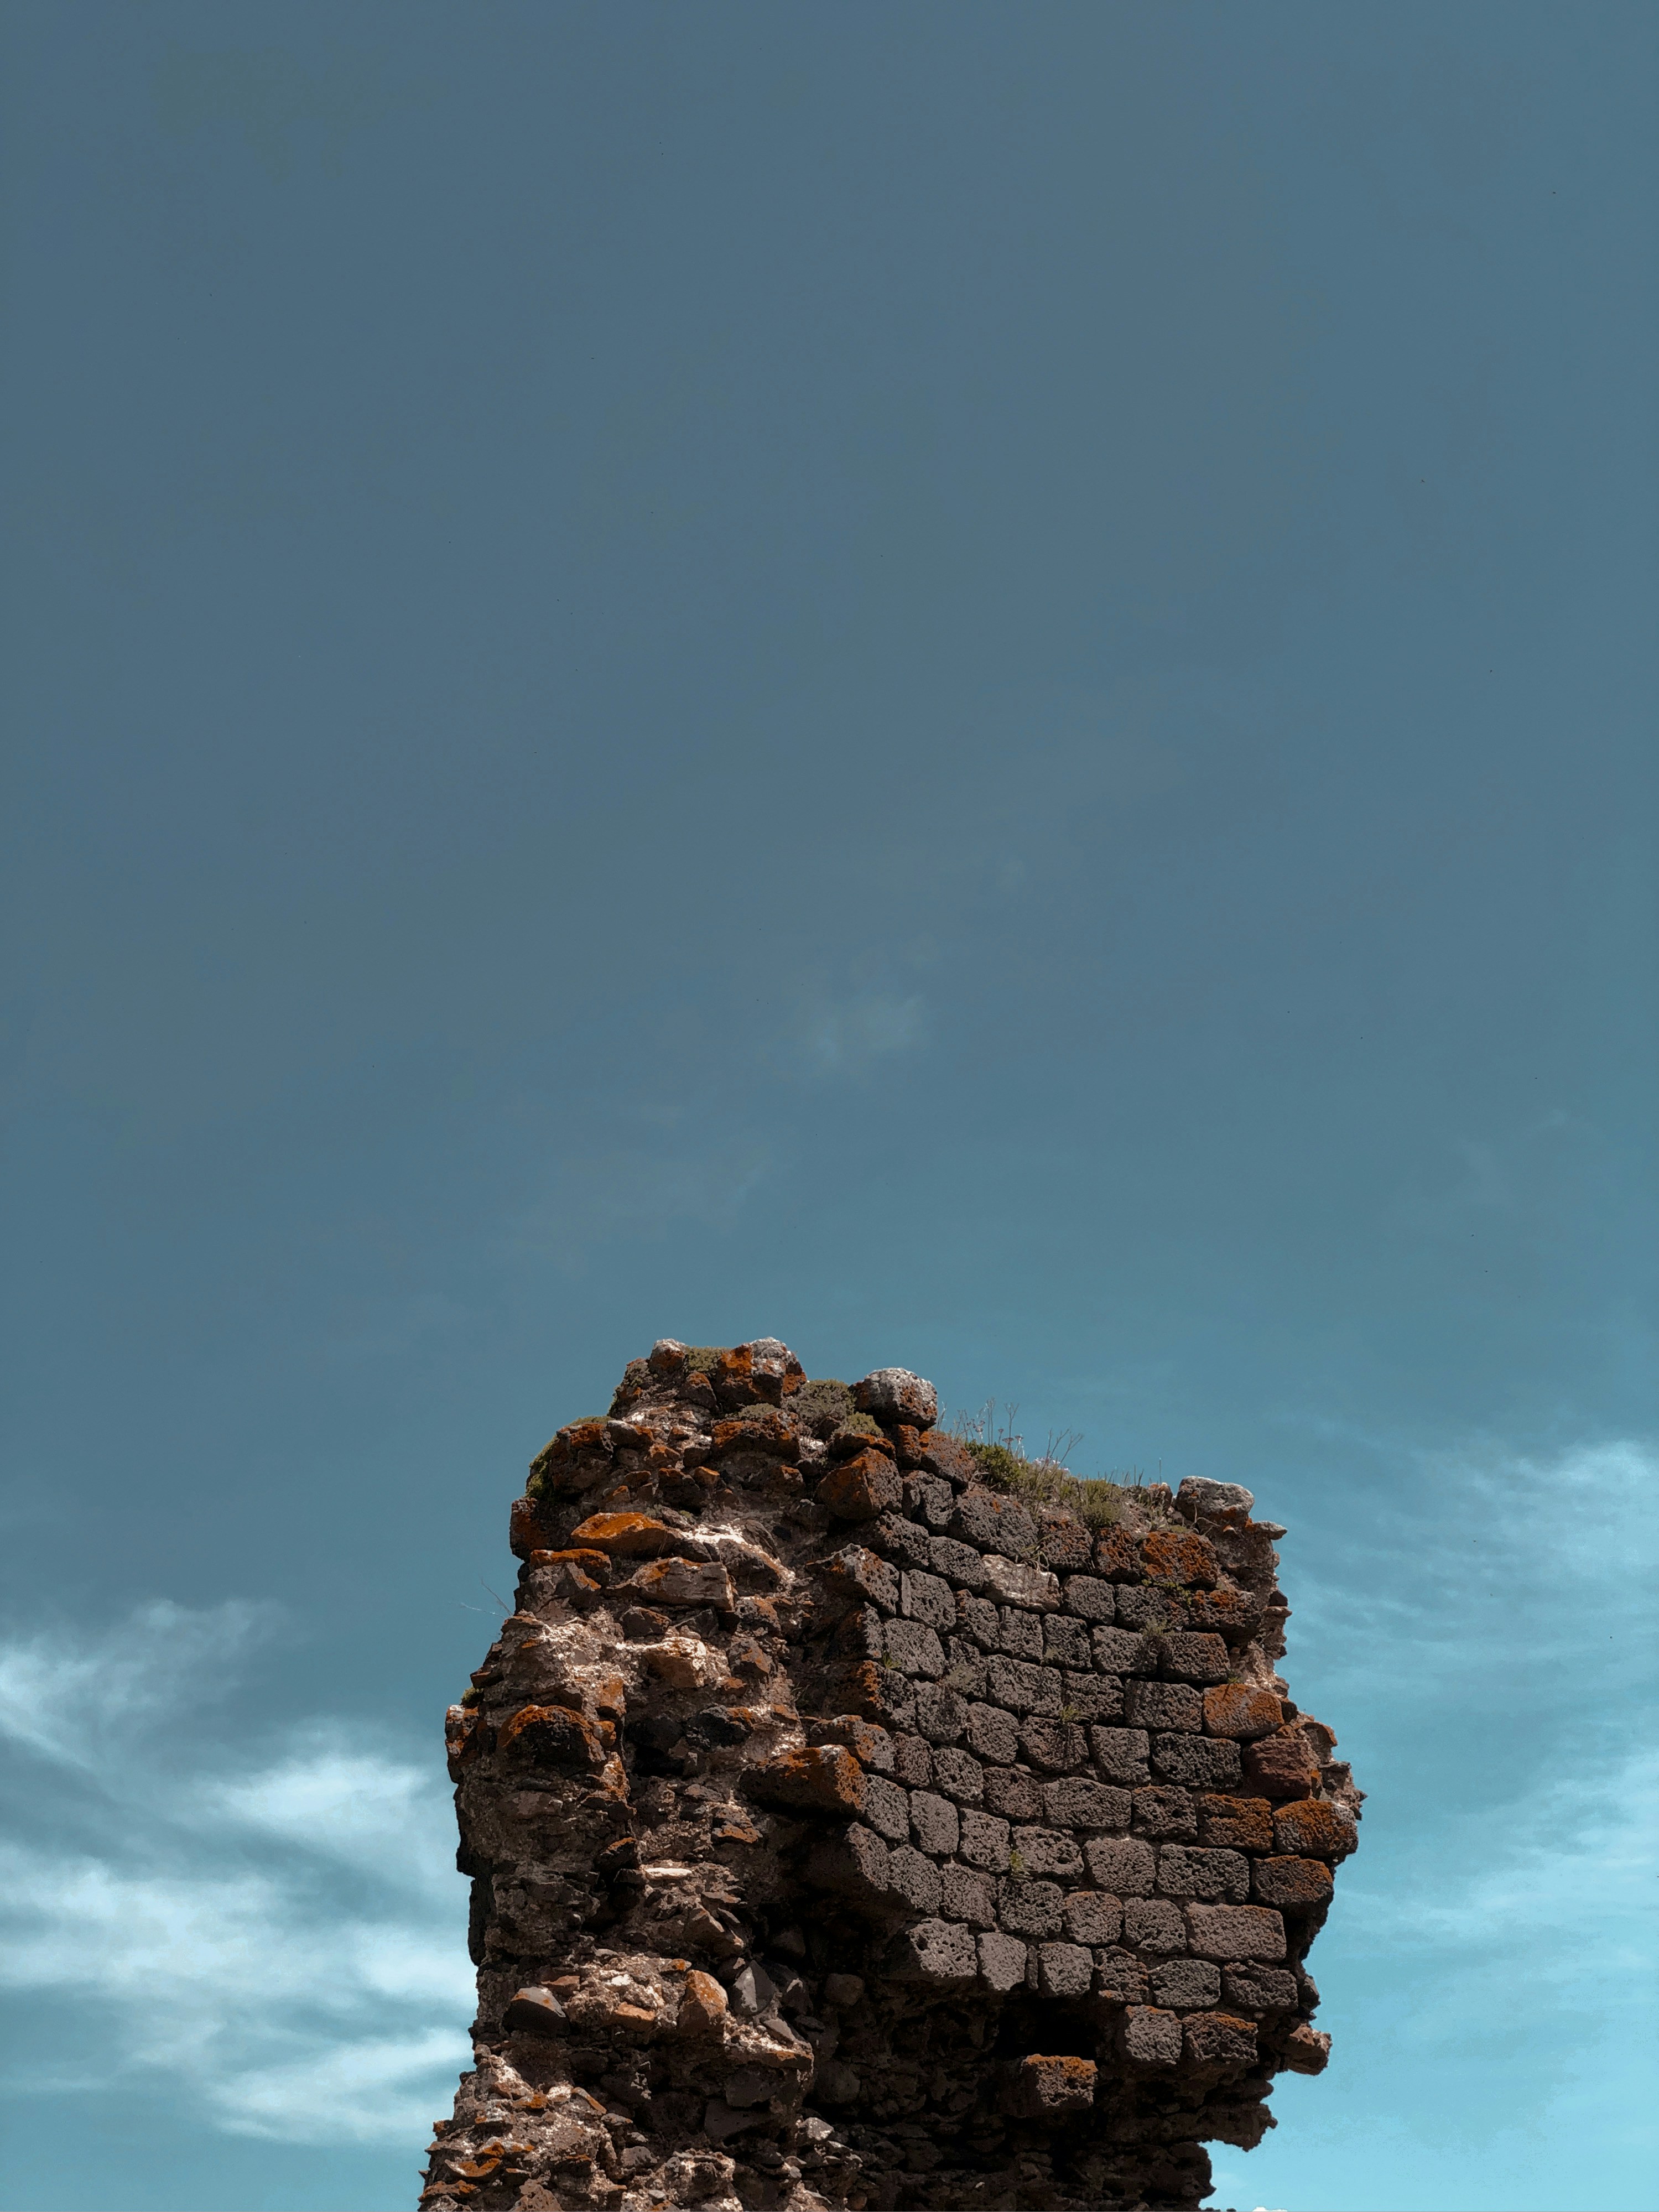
283 1933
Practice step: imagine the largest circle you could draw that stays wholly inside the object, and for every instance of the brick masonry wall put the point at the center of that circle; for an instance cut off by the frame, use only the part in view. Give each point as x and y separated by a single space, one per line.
846 1833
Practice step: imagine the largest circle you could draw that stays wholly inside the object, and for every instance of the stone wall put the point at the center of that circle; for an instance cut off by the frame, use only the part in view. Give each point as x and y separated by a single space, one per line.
844 1830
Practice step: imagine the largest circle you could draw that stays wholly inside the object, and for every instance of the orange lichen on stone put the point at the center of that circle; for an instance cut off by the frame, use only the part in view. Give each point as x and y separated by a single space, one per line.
1313 1827
861 1487
629 1535
1177 1555
1241 1711
822 1778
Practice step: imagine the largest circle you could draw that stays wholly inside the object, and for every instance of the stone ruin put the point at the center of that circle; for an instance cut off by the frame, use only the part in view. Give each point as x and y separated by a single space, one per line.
846 1830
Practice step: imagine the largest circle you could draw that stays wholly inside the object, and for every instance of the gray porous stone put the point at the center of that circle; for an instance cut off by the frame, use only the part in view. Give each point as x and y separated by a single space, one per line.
846 1829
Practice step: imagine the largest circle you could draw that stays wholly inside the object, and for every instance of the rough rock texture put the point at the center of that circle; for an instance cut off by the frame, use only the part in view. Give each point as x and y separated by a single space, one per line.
845 1832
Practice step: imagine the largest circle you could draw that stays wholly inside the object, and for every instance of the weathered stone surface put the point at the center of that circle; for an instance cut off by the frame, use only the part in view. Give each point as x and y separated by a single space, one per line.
759 1806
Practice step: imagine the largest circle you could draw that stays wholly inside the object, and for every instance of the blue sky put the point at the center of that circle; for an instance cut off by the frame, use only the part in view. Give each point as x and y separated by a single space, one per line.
969 684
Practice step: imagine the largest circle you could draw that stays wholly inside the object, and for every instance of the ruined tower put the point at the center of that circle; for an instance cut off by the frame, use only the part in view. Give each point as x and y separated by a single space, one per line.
858 1817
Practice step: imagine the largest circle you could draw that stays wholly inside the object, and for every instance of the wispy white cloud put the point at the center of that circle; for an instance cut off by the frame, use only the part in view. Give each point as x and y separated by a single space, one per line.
282 1935
845 1035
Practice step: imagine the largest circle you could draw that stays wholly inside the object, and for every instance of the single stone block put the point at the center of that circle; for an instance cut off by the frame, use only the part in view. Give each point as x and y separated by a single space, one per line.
896 1538
1076 1803
1151 2037
1021 1635
1178 1555
913 1761
968 1895
1066 1542
985 1841
913 1879
856 1576
1235 1931
1122 1864
1038 2089
875 1691
1117 1555
681 1584
1054 1746
1093 1917
1152 1923
1013 1793
1185 1984
627 1535
822 1778
1245 1823
1047 1850
1262 1989
1064 1969
929 1500
914 1649
1217 2038
929 1598
938 1951
1021 1687
1218 1877
1196 1762
1149 1608
934 1823
992 1734
1306 2049
1165 1815
1313 1827
1028 1908
959 1775
1090 1598
1121 1979
869 1745
1066 1639
1288 1882
991 1522
964 1668
978 1620
959 1563
1002 1962
1120 1753
1122 1650
1225 1504
703 2006
941 1715
1012 1582
894 1394
1282 1764
1241 1711
860 1635
1188 1657
1163 1706
536 2011
842 1991
1230 1612
886 1808
860 1489
1091 1697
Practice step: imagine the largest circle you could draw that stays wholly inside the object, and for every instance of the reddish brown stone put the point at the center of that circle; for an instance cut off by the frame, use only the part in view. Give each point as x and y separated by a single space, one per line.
703 2006
1226 1610
1179 1555
1306 2049
1219 2039
822 1778
1240 1710
1281 1764
1244 1823
553 1735
1049 2089
1291 1883
626 1536
1117 1556
860 1489
1312 1828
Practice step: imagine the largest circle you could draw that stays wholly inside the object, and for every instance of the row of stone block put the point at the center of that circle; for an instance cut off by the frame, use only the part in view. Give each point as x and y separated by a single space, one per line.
1223 1947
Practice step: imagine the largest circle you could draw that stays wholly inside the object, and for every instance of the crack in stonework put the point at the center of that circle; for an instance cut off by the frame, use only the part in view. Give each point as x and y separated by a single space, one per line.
848 1830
